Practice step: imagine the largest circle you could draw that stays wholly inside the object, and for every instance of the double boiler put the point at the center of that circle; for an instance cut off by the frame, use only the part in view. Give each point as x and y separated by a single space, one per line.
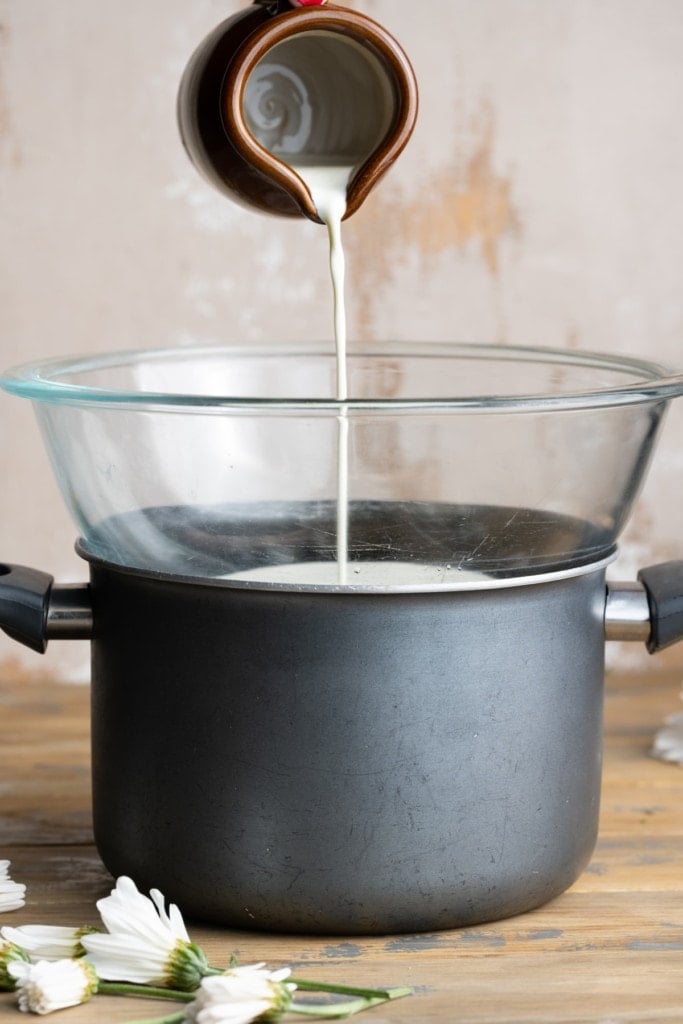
415 745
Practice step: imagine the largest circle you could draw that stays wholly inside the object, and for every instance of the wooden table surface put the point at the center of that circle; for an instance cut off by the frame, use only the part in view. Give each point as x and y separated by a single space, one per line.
608 950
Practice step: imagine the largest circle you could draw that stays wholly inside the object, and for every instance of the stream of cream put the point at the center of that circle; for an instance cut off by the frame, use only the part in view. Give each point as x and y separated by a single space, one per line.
327 185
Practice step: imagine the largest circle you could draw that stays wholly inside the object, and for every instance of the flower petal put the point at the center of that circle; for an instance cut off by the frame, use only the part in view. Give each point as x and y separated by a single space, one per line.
126 910
173 920
44 941
11 893
126 958
668 744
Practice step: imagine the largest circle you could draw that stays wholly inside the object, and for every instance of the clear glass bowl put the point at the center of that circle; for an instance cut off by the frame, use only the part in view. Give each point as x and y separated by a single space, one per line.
449 466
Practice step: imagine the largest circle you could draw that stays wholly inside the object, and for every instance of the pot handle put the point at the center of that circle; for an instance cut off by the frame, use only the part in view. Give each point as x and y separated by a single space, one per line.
33 610
664 588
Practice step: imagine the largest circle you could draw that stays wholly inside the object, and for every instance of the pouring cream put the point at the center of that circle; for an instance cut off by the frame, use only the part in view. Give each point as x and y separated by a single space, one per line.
327 185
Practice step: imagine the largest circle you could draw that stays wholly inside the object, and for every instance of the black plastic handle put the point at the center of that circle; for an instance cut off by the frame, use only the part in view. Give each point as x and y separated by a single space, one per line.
24 605
664 587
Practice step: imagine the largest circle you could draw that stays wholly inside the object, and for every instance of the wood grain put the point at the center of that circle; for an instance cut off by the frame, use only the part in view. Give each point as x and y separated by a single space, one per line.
609 950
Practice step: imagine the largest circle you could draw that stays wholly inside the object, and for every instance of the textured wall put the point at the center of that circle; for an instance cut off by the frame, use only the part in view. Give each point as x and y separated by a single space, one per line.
540 202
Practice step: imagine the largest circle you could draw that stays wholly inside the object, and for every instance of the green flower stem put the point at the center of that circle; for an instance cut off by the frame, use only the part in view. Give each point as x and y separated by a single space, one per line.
366 999
334 1011
351 990
175 1018
124 988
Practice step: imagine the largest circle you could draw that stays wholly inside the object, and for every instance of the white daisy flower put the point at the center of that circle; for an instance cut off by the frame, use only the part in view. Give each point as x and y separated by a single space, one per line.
11 893
47 941
668 745
144 943
241 995
48 986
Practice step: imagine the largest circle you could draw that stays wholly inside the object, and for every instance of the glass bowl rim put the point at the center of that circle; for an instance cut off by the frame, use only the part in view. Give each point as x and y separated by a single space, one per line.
40 381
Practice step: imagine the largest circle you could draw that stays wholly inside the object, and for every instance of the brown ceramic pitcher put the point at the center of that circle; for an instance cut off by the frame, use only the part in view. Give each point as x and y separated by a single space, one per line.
276 87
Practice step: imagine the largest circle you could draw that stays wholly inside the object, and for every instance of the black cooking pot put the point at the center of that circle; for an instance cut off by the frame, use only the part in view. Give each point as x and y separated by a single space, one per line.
319 760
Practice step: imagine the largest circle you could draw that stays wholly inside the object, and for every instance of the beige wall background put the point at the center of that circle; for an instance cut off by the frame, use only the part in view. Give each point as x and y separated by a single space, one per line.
539 202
